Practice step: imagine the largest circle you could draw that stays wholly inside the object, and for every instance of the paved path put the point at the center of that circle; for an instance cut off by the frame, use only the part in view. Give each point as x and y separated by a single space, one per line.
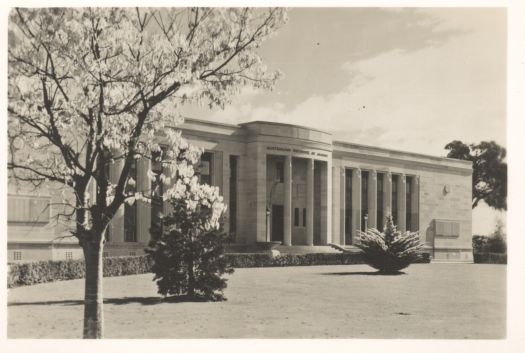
430 301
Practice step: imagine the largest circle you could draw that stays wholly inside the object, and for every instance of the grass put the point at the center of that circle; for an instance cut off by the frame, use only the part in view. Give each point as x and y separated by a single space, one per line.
428 301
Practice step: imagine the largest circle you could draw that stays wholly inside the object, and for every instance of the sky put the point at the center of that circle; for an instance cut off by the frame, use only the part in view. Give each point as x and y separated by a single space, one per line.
410 79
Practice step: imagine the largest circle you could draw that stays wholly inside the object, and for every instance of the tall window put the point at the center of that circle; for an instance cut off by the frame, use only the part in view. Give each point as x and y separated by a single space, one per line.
205 168
233 195
395 180
304 217
364 199
409 203
296 217
279 172
130 211
157 190
348 206
380 215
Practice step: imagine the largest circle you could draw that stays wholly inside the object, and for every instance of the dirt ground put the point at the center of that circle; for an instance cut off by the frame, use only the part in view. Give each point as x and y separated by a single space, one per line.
429 301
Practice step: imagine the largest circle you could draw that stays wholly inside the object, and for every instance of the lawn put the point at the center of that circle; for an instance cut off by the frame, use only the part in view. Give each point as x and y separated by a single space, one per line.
429 301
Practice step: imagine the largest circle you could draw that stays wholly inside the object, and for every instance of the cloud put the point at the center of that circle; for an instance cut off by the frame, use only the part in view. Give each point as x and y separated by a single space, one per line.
415 100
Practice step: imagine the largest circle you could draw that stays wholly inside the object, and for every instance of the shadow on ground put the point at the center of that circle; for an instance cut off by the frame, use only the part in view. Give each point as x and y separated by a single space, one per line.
362 273
117 301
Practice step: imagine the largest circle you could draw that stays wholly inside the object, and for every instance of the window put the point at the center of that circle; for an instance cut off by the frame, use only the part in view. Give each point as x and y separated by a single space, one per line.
17 255
395 180
364 198
380 216
28 209
105 254
233 195
205 168
279 172
130 211
157 190
296 217
304 217
408 203
348 206
132 253
69 255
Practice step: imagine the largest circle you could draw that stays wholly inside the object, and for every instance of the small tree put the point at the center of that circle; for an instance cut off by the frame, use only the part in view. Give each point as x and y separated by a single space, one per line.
389 251
188 254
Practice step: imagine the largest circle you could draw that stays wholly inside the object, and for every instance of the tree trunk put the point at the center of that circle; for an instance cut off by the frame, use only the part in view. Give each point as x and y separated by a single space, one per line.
93 296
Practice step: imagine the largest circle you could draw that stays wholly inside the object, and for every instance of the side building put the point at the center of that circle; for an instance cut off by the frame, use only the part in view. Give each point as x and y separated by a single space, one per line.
284 183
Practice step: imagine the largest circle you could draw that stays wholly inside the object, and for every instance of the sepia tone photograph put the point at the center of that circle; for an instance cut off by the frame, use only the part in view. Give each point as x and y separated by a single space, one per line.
256 173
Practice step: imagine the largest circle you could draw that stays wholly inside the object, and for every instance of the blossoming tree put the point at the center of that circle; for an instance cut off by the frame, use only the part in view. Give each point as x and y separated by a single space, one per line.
188 253
91 87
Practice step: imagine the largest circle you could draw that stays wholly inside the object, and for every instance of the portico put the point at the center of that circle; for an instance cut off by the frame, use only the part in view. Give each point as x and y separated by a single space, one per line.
292 167
297 200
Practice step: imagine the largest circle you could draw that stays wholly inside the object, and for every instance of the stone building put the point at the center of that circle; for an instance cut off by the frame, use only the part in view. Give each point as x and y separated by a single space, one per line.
284 183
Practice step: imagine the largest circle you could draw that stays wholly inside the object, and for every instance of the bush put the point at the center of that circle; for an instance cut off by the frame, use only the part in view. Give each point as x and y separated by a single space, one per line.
390 251
487 249
241 260
186 266
490 258
188 252
22 274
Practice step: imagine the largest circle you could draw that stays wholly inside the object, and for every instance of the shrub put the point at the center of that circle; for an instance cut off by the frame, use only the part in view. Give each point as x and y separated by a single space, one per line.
490 258
22 274
495 243
188 253
186 266
390 251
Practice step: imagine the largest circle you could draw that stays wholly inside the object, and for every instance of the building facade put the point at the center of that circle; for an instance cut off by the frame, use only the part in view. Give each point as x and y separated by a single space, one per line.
285 183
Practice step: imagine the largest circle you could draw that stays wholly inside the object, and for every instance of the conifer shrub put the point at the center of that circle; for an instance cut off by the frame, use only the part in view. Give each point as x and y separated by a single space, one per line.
389 251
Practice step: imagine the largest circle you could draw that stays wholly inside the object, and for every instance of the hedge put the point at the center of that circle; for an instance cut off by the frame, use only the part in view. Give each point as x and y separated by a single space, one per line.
490 258
21 274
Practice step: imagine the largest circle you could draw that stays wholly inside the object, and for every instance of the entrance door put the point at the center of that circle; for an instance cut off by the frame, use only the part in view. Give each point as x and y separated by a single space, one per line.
277 223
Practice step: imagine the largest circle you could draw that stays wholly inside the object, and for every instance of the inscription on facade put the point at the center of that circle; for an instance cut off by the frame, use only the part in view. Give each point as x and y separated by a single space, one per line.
275 148
297 151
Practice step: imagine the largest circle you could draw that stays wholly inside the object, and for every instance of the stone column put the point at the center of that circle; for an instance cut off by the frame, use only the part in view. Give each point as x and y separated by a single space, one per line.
310 202
372 199
336 205
260 194
143 208
415 203
342 211
402 205
387 199
117 223
356 203
327 238
287 238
